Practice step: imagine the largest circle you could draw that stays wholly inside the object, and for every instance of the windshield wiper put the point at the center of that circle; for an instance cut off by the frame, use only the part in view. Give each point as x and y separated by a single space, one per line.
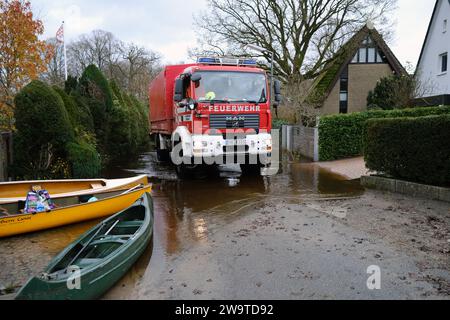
243 100
219 101
263 99
248 101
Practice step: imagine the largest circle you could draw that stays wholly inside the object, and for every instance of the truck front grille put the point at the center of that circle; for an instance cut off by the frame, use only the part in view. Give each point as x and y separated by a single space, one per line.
229 121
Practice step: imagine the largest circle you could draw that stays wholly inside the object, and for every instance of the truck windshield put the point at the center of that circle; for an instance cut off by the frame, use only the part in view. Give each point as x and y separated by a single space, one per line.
220 86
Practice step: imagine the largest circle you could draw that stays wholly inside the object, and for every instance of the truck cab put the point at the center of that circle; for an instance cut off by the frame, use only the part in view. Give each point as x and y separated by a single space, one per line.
221 115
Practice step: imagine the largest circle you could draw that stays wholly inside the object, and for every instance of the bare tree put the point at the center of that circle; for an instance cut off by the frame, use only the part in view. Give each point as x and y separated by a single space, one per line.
303 35
132 67
100 48
136 69
295 107
55 68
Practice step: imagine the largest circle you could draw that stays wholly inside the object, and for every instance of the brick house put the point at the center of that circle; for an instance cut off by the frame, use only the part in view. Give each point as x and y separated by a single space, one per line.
353 73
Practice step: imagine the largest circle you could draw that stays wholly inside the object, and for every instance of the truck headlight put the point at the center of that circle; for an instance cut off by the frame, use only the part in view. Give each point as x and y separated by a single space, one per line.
268 144
204 144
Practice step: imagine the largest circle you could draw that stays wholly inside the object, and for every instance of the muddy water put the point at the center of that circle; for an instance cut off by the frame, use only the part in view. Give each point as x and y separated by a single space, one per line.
186 212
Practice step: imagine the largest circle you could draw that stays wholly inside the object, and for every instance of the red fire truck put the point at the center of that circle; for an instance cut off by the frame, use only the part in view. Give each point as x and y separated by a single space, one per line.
214 111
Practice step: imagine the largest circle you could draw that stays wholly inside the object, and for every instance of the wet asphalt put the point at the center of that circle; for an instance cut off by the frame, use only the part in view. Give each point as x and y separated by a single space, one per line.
304 233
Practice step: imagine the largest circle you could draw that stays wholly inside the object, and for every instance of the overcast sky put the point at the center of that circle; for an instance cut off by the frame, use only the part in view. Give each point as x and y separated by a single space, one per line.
166 26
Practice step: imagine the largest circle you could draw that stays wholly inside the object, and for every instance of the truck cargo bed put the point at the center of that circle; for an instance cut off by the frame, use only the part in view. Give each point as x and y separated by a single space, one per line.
161 115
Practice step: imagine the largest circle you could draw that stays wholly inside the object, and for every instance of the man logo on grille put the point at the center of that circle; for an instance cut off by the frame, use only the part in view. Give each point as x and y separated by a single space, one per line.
235 122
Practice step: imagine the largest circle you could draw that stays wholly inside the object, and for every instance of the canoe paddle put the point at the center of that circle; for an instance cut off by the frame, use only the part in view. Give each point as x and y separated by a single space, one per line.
134 189
84 247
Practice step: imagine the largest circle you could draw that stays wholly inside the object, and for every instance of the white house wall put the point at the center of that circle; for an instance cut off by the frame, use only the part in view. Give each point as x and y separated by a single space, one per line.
433 81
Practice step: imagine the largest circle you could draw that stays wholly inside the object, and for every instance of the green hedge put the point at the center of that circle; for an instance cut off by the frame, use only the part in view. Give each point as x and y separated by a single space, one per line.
341 135
79 114
84 159
73 132
413 149
129 119
278 123
98 96
94 84
43 131
41 116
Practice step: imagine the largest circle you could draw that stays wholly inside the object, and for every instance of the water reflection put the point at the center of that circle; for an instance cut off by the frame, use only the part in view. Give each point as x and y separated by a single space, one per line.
295 178
186 214
190 209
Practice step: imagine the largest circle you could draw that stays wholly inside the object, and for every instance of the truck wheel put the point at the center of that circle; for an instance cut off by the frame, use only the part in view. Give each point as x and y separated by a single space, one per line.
162 155
251 169
183 171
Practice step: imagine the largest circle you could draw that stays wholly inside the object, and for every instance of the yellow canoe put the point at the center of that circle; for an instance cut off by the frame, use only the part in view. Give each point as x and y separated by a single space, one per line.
107 205
17 191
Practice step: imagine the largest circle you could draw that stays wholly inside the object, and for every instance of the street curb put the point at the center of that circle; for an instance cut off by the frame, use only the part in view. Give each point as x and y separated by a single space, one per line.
407 188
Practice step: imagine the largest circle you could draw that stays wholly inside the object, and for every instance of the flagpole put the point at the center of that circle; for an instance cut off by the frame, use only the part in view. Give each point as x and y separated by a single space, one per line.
65 52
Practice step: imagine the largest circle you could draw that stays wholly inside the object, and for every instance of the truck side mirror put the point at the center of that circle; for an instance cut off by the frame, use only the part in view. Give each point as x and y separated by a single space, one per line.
277 92
196 77
178 94
277 87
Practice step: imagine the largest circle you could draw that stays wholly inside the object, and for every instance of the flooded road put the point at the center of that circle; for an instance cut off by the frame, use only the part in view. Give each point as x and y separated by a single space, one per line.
185 213
302 234
187 210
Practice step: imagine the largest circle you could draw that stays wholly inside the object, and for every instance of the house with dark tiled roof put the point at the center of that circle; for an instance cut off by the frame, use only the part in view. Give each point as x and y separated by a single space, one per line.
355 70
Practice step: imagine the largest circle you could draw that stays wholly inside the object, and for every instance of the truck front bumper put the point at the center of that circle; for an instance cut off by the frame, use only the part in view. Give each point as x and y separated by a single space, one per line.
212 146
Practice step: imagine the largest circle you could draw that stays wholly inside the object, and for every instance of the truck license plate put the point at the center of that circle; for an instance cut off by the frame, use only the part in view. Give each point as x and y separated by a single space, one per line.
237 142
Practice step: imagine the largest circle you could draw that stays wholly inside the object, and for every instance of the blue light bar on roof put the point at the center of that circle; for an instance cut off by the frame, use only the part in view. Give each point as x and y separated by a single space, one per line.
248 62
227 61
206 60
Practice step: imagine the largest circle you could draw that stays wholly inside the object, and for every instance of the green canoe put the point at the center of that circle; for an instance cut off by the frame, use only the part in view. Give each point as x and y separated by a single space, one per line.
97 260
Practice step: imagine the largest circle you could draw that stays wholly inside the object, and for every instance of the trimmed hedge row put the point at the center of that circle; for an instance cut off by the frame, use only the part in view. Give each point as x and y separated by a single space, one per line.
43 131
413 149
86 162
51 141
279 123
76 131
341 135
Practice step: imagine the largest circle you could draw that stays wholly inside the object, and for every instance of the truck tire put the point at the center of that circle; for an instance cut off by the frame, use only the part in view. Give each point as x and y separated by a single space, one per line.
181 171
251 169
185 172
162 155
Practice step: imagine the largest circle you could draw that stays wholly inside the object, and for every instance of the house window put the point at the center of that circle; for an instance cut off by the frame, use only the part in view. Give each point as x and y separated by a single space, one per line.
444 62
344 85
343 107
379 58
368 53
362 55
444 29
343 92
372 56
